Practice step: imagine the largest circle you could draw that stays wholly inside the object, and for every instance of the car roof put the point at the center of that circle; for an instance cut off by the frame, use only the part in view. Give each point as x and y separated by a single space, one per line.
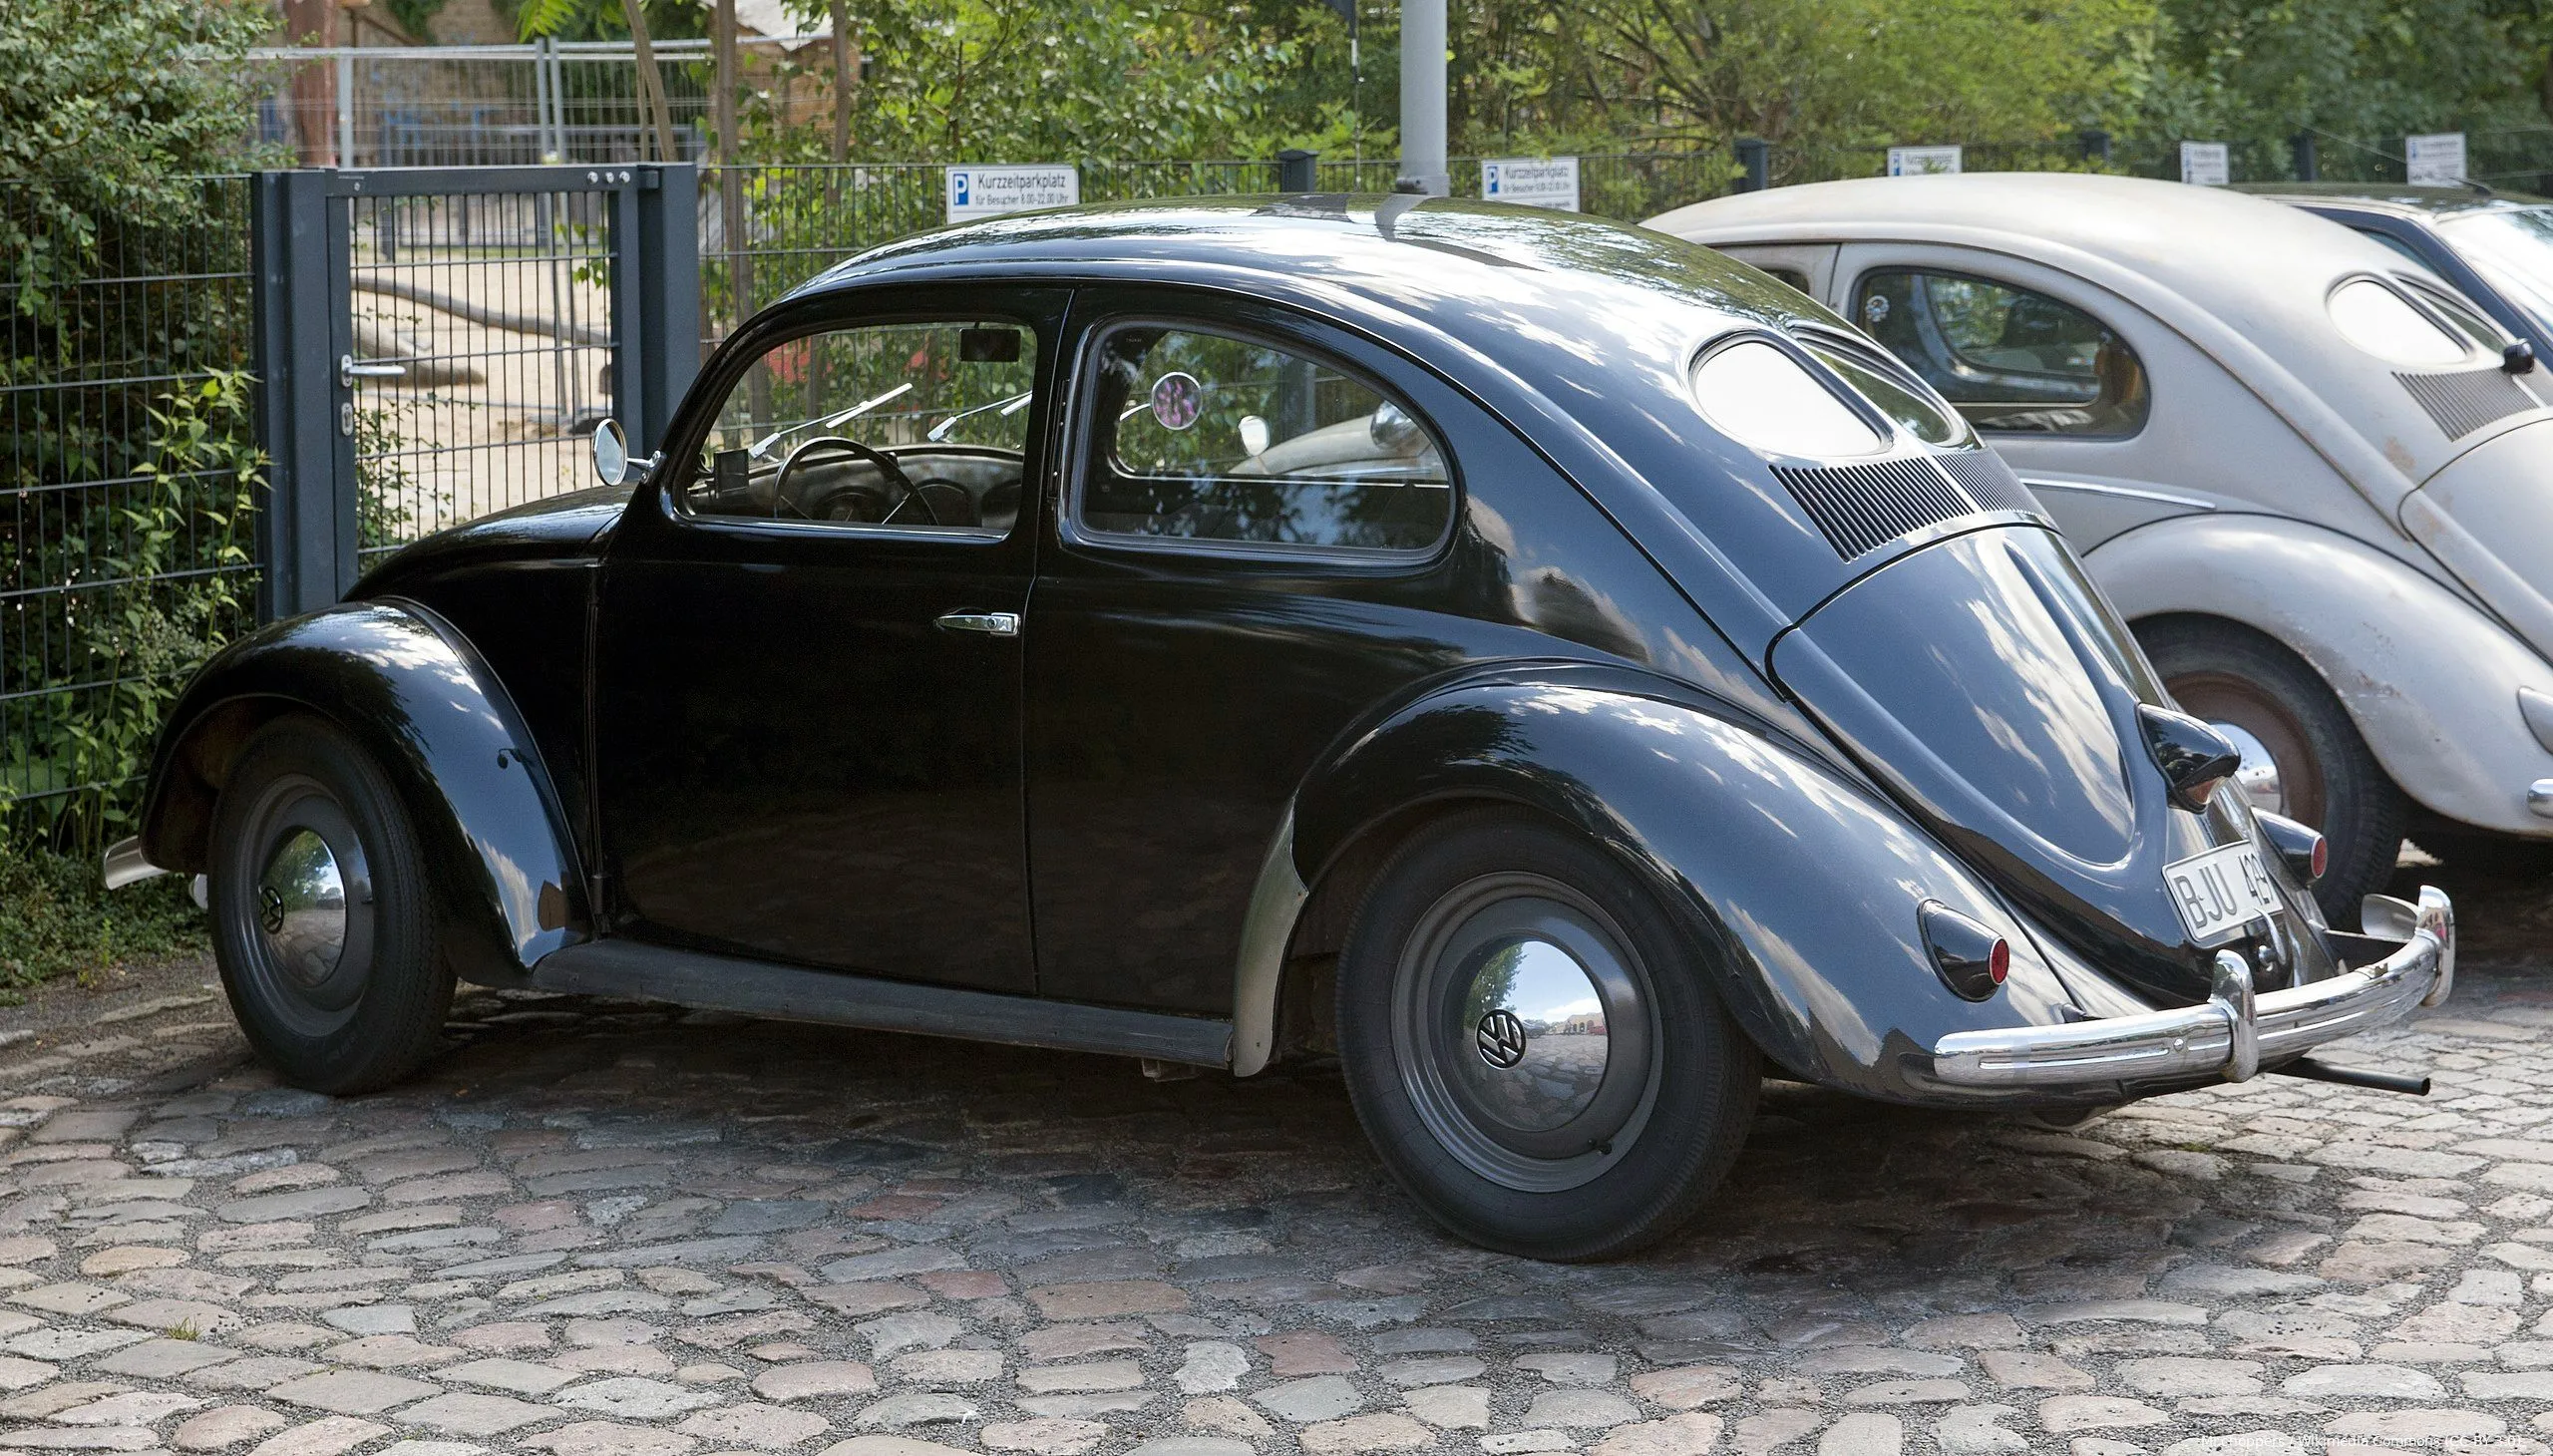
2220 248
1437 259
2399 199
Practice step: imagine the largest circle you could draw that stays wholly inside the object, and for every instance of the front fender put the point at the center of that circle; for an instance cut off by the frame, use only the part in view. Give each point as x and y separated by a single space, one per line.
2431 682
1803 885
415 695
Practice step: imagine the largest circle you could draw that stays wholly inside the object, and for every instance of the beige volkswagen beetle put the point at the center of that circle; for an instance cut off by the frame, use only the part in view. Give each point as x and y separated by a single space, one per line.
2316 478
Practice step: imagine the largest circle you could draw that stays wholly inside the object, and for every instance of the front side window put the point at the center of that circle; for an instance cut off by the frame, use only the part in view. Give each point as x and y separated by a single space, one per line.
1208 437
907 426
2005 357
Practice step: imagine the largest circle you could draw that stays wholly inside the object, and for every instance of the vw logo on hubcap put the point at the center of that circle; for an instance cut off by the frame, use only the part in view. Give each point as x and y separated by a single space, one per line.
1501 1039
271 910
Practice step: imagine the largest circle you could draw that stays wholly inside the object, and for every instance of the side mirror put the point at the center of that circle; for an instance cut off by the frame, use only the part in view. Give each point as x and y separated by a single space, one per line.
611 453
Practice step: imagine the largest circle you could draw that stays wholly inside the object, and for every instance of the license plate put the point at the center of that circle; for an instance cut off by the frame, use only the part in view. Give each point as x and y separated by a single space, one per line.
2221 891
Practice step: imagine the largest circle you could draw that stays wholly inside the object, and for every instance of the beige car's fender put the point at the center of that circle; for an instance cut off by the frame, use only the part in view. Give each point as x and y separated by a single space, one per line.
2431 682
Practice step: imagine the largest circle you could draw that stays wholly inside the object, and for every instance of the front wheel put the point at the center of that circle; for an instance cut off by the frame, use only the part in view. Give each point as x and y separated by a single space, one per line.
329 948
2301 756
1532 1045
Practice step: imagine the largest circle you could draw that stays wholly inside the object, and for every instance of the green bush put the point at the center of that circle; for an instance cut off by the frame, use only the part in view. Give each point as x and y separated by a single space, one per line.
56 921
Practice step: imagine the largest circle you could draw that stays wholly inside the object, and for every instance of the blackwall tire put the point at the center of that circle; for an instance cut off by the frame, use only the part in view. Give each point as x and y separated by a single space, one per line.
2328 779
329 948
1534 1045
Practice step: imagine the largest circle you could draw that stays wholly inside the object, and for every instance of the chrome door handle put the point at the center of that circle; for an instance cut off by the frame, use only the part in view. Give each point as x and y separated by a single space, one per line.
990 623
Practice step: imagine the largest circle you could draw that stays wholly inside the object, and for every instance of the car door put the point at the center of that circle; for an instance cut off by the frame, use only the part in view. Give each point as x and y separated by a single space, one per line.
807 709
1253 548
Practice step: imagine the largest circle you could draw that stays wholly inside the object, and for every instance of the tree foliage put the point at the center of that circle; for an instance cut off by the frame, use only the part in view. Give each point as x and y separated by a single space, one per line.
106 108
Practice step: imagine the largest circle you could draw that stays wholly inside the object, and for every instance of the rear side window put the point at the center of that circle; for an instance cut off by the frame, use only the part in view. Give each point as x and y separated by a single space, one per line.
1198 436
2005 357
2383 323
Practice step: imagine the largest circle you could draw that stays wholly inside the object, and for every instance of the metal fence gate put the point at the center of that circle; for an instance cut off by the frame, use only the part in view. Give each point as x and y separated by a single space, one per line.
437 343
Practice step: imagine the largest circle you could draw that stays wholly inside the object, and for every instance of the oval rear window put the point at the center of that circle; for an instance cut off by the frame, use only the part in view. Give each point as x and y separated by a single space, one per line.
2383 323
1757 393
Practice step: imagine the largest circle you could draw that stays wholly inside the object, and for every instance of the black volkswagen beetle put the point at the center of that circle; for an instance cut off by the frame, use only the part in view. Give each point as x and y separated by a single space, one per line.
1563 673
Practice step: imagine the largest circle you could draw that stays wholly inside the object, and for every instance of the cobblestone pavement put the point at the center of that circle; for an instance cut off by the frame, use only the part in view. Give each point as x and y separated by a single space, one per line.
601 1227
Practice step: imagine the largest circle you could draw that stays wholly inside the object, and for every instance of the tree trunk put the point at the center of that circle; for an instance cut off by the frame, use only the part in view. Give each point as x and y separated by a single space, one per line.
845 76
314 85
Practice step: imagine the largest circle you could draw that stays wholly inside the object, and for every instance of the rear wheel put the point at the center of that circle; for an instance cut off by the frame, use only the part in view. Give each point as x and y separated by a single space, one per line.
2301 756
327 947
1533 1044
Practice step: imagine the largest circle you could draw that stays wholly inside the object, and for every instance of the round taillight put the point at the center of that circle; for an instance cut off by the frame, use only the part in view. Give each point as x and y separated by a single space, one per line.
2322 856
1972 959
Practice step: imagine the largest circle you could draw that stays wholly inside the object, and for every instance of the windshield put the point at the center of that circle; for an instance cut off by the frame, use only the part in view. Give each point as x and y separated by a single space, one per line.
2513 249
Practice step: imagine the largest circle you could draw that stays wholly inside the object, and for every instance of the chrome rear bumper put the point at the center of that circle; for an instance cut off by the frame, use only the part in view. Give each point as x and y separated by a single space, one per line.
2235 1031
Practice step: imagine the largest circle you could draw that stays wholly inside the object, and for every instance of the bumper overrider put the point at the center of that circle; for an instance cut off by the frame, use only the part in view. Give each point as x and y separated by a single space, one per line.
2236 1030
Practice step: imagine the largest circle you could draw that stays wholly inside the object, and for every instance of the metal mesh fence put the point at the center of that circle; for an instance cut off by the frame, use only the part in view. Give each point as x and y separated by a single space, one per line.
482 339
497 105
124 517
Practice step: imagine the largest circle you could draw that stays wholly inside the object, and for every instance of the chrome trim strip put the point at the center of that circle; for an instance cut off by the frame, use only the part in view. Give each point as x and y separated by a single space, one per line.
2232 1035
2539 798
124 863
2130 493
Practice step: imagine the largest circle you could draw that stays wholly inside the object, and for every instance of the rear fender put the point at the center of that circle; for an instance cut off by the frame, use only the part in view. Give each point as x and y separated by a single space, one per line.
501 866
1802 883
2431 682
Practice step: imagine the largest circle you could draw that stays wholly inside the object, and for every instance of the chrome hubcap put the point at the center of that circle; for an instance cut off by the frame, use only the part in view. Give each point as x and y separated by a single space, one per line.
1539 1033
1523 1027
2259 772
302 929
301 908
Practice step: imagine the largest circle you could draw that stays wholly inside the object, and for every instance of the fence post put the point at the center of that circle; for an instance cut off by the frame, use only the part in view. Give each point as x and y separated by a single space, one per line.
1297 171
2300 149
1755 155
655 299
2096 144
306 530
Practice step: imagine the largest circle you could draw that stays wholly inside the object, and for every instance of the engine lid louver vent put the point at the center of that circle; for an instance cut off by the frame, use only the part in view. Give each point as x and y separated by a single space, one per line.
1988 481
2467 400
1859 508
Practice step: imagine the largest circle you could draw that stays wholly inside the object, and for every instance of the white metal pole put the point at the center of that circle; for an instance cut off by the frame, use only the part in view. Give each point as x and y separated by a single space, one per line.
1422 97
346 105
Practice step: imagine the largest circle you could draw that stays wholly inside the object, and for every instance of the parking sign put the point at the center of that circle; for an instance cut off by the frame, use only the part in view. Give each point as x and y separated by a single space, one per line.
2205 165
2434 160
989 192
1533 181
1923 161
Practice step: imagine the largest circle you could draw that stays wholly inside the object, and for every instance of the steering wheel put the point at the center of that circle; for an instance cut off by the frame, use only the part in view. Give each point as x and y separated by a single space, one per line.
887 469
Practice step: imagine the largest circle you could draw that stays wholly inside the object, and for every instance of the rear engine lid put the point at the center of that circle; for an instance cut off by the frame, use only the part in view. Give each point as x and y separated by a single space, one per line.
1986 684
2488 519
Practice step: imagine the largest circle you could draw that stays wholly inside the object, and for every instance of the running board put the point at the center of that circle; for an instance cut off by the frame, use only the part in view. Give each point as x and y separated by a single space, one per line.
616 967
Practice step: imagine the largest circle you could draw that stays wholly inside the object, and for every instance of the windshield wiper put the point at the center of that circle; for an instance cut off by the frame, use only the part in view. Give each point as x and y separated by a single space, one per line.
1009 407
828 421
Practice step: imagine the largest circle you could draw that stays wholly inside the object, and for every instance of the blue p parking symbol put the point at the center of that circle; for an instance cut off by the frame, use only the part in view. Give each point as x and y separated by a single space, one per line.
962 184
